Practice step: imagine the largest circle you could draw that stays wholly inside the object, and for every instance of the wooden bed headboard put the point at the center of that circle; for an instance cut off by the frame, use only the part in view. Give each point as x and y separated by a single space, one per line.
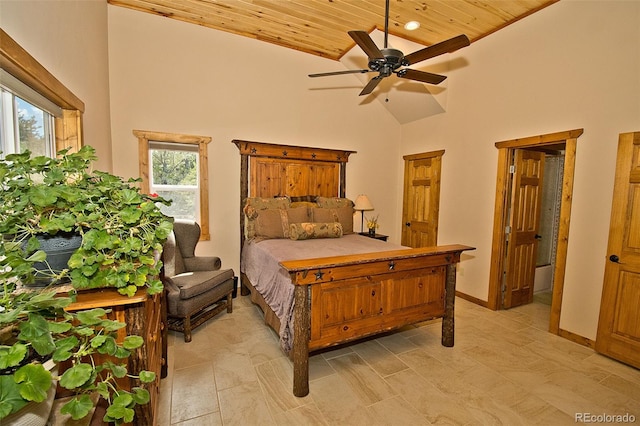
268 170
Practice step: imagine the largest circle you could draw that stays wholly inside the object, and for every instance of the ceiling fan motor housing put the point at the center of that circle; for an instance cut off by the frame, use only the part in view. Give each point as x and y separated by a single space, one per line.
392 60
393 57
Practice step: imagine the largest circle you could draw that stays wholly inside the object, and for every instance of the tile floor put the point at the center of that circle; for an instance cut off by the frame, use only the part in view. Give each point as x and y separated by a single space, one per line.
505 369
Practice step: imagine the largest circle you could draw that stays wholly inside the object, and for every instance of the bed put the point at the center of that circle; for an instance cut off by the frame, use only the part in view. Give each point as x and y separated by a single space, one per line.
338 286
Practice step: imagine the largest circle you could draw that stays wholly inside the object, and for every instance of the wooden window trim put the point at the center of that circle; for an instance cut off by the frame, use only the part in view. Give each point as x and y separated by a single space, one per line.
19 63
202 141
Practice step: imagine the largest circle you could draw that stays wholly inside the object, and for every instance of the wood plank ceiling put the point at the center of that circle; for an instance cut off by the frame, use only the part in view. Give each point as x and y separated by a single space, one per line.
319 27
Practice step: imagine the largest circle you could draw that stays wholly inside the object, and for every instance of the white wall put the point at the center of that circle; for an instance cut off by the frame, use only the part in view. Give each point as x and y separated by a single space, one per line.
69 38
174 77
575 64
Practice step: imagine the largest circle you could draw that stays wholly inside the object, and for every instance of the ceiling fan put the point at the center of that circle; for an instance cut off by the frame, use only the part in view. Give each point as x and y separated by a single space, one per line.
388 61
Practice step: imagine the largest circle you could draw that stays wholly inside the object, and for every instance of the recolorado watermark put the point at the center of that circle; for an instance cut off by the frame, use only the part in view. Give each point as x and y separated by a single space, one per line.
604 418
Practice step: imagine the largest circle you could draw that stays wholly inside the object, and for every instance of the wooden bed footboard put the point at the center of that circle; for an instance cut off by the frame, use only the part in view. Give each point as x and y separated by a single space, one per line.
344 298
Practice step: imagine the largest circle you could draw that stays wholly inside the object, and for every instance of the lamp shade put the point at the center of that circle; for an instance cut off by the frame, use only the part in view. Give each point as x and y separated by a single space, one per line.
362 203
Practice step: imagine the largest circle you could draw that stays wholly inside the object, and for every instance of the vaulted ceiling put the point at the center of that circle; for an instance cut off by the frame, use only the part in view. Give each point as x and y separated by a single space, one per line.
319 27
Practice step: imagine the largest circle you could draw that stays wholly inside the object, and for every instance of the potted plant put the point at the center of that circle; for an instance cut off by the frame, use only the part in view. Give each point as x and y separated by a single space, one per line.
35 327
121 233
121 230
372 225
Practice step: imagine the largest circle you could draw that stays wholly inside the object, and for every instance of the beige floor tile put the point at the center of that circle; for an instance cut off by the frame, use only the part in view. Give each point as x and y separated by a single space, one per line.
396 411
233 369
277 393
212 419
488 411
307 415
540 412
396 343
338 402
622 385
558 395
379 358
361 378
336 352
244 405
427 400
318 367
193 393
427 366
610 366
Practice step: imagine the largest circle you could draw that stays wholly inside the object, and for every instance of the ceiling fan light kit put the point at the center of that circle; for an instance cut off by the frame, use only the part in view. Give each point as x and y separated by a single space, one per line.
388 61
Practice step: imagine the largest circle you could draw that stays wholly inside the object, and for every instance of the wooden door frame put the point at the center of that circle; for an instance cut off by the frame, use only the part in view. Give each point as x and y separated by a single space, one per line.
551 141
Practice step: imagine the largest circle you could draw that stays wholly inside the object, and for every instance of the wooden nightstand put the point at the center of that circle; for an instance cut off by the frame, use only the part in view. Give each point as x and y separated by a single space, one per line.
376 236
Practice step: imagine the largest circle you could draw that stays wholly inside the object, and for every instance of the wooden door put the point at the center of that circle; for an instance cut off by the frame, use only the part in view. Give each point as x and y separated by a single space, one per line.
619 324
522 243
421 203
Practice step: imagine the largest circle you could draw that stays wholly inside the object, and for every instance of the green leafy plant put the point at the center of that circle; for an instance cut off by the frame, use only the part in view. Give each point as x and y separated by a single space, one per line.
122 234
35 325
122 230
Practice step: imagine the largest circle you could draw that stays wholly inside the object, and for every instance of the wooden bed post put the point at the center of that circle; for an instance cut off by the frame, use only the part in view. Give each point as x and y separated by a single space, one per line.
449 302
244 193
343 180
300 348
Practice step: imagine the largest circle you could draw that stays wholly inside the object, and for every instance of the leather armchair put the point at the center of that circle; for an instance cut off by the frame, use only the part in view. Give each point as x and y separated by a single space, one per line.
197 287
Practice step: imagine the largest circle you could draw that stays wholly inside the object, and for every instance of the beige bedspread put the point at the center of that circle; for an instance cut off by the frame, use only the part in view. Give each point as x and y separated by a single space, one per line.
260 263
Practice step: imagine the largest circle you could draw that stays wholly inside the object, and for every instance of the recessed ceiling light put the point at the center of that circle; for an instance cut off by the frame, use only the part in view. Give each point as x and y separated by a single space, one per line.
412 25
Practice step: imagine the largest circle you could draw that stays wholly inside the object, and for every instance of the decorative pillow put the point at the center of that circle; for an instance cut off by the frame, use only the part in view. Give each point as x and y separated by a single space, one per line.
298 214
268 223
344 215
309 230
253 205
257 203
274 223
333 202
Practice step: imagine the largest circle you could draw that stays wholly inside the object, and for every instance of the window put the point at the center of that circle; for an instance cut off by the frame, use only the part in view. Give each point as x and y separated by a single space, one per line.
175 167
173 174
24 126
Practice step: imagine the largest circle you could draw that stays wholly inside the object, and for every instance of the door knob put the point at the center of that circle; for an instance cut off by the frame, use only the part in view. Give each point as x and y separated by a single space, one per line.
538 237
407 224
614 258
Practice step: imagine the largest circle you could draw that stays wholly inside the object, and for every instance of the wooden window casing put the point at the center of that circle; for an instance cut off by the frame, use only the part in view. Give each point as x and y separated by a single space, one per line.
202 142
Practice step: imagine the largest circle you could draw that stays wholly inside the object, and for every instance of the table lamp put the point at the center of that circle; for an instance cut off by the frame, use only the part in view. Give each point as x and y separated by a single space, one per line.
362 204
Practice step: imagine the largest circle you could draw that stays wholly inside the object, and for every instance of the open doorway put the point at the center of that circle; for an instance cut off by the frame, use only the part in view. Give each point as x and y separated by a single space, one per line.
554 144
548 229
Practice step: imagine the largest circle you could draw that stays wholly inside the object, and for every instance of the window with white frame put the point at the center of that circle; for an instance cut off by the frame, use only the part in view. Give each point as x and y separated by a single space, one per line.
26 119
174 175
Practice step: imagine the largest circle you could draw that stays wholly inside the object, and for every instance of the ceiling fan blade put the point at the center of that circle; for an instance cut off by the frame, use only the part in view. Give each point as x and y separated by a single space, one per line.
326 74
425 77
446 46
365 42
371 85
